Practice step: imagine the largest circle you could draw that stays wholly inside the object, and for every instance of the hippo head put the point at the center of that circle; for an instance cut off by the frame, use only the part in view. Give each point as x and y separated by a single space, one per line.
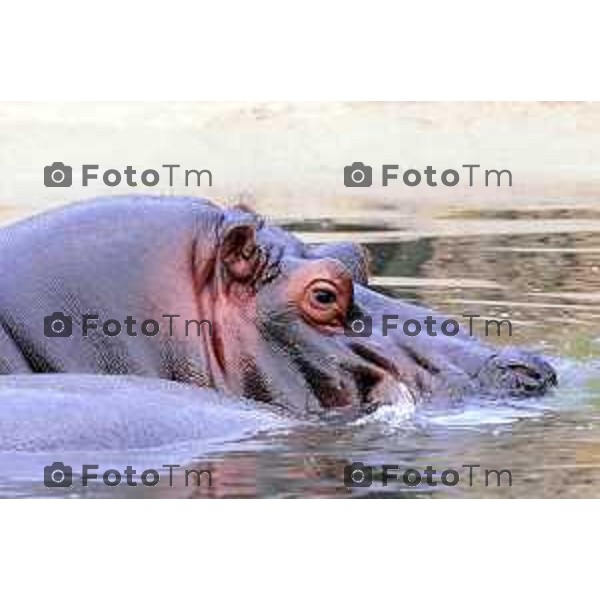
282 311
279 318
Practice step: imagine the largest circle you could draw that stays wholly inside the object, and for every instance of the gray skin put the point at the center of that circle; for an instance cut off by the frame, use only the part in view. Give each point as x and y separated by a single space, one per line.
277 333
114 422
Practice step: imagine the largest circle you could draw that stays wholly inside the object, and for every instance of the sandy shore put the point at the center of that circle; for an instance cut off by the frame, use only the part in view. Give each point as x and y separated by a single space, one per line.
287 159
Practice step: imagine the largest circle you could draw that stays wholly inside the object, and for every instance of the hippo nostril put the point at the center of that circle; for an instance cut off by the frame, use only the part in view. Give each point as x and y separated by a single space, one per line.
519 373
527 372
536 378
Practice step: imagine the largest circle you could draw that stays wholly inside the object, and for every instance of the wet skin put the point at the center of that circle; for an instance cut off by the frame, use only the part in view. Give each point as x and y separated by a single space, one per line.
278 308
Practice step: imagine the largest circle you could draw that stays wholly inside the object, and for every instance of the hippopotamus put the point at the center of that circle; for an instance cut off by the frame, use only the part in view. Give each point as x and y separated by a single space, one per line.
243 307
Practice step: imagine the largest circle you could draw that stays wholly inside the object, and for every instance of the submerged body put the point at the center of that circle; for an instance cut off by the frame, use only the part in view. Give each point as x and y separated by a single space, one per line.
278 310
116 422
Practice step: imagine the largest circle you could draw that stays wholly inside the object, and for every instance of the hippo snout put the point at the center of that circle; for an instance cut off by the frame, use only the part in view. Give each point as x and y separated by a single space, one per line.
518 372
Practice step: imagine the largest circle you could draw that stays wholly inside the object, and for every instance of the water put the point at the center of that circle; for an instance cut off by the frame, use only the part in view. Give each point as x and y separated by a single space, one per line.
536 264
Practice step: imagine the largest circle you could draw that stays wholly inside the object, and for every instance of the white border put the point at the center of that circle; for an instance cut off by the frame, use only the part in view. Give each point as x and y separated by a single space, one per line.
309 50
302 549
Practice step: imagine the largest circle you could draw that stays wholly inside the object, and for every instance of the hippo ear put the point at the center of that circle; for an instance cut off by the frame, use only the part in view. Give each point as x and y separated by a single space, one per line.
239 250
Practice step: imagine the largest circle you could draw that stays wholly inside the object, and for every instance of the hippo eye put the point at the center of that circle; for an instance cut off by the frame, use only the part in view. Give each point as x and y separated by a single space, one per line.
325 296
323 303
